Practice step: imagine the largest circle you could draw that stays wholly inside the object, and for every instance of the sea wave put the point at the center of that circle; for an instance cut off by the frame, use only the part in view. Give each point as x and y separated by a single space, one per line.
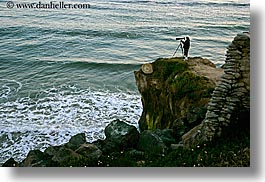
56 114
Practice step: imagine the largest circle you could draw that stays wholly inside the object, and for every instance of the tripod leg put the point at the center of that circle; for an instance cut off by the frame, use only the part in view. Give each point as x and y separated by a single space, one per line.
174 53
177 50
182 50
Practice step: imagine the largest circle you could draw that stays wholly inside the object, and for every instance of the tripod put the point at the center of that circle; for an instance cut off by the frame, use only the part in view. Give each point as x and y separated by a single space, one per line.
180 45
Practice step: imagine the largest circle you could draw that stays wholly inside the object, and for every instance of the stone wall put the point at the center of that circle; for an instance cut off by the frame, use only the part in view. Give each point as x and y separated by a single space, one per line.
231 96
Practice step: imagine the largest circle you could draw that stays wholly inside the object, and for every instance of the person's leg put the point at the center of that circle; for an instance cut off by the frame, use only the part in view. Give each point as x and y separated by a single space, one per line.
186 51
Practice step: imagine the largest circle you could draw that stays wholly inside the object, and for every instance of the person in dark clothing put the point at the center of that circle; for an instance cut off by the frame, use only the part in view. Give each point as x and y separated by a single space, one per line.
186 47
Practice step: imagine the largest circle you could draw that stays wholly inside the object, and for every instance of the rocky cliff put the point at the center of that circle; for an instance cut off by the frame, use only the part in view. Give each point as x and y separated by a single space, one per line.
229 107
175 93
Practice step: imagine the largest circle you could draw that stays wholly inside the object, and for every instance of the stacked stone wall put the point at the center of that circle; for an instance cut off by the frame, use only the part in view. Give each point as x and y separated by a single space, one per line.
230 97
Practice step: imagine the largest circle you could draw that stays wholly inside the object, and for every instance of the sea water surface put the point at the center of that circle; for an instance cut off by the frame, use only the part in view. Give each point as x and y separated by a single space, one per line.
67 71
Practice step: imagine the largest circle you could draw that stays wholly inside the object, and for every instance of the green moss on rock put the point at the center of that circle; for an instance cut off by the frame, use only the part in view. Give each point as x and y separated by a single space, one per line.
191 85
175 88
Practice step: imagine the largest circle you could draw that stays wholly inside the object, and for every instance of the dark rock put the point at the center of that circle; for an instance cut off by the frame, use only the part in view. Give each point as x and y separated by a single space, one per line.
36 158
64 155
118 128
110 145
195 115
52 150
89 151
11 163
150 142
180 127
76 141
119 136
166 135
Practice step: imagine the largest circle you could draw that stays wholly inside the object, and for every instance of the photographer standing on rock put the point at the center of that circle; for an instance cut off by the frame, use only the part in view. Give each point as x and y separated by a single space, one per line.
186 47
184 44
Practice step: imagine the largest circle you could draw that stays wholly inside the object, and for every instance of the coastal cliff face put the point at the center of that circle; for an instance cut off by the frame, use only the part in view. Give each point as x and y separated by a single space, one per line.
175 93
229 107
194 98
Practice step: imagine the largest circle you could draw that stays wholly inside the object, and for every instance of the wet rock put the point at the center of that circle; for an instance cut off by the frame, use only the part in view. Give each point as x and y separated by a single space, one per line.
136 154
76 141
36 158
64 155
176 146
52 150
90 151
119 136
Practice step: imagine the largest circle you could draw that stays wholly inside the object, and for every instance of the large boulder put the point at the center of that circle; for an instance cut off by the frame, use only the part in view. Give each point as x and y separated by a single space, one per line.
74 153
119 136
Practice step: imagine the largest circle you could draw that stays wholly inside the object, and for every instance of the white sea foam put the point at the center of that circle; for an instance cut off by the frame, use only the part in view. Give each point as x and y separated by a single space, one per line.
59 113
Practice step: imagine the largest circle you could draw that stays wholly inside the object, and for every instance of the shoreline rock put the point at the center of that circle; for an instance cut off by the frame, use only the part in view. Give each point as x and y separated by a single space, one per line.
154 148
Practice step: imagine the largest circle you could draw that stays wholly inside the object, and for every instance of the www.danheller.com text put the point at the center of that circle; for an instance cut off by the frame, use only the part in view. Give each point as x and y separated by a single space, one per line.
50 5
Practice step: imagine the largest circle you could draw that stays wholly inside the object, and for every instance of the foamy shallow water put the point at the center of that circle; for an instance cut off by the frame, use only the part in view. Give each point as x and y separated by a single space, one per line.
56 114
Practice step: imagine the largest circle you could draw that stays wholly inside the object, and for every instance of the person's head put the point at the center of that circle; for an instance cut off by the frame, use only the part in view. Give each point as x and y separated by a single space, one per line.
187 38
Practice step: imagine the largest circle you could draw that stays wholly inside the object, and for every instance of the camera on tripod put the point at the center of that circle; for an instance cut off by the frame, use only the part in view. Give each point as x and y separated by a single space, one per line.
183 44
180 38
180 45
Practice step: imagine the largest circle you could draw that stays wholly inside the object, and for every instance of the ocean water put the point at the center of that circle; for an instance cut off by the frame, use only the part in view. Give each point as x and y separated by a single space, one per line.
68 71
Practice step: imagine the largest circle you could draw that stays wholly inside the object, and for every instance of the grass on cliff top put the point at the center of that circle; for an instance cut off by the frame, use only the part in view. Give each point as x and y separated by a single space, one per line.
165 67
175 73
191 85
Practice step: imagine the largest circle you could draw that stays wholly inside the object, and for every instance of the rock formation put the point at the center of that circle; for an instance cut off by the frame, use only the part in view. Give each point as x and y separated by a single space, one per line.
176 94
230 99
